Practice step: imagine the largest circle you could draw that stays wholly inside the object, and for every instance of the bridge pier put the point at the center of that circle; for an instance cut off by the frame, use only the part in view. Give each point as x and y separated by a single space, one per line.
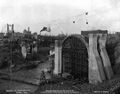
104 56
98 64
58 57
96 72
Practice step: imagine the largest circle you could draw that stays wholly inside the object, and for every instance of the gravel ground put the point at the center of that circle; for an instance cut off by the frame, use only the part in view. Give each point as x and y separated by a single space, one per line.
66 86
31 75
83 88
11 87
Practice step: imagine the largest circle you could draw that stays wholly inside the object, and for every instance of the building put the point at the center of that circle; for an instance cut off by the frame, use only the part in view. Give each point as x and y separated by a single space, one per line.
1 35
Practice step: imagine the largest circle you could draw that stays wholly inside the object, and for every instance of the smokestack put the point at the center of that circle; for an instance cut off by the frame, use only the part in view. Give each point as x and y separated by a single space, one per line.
28 28
12 27
7 28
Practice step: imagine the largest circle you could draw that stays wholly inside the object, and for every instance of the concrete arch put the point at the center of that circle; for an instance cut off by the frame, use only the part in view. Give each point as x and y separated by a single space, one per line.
75 56
80 37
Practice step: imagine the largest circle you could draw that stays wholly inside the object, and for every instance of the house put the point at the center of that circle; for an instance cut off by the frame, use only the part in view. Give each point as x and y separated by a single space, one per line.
1 35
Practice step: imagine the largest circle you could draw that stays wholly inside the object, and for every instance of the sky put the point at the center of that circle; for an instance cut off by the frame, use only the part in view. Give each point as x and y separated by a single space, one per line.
60 14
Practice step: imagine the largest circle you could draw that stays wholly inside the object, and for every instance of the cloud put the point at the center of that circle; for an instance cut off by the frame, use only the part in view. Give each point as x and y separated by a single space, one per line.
103 14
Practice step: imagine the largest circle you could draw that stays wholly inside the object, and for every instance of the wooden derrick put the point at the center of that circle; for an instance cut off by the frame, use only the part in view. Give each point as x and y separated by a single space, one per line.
75 57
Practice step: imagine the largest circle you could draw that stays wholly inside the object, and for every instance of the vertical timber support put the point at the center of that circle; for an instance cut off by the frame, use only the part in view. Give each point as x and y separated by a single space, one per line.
96 73
104 56
58 57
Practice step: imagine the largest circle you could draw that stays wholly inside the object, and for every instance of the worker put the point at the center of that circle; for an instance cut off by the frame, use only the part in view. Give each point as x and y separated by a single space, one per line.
42 78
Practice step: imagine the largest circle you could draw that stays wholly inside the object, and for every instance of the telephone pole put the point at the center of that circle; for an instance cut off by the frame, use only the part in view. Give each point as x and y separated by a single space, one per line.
11 45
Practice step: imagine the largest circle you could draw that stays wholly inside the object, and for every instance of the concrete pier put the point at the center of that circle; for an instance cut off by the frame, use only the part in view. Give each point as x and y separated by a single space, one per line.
24 51
104 56
58 57
99 66
98 58
96 72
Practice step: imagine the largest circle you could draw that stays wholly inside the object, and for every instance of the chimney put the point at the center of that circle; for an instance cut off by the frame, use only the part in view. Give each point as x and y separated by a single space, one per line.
12 27
28 28
7 28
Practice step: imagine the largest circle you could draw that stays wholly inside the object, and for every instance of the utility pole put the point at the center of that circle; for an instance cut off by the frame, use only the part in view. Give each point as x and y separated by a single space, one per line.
11 45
